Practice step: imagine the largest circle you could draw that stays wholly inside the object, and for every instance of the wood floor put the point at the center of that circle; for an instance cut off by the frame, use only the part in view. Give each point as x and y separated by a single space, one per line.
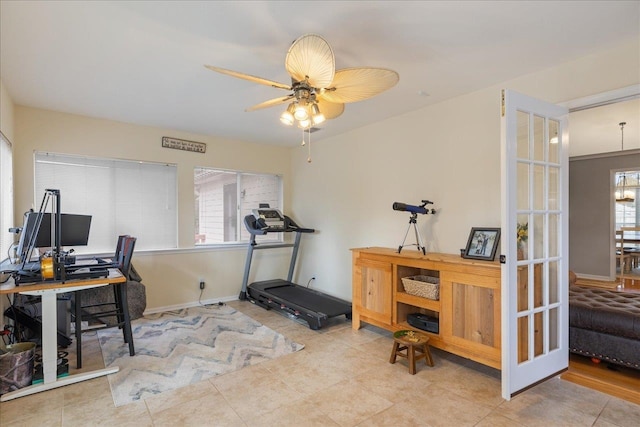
631 282
608 378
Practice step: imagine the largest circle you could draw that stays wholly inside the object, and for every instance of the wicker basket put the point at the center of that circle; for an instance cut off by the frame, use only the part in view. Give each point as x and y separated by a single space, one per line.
422 286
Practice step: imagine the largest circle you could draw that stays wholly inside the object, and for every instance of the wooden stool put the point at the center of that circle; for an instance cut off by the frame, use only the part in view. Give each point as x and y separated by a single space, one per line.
411 341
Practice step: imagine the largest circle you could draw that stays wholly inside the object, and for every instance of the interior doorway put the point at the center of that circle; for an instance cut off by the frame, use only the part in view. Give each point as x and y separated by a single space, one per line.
627 221
595 154
599 142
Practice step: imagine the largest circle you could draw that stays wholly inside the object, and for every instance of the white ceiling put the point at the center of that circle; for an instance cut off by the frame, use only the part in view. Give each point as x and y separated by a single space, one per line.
142 62
597 130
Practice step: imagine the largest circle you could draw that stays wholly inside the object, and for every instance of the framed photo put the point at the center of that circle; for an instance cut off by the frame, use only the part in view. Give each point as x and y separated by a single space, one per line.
482 243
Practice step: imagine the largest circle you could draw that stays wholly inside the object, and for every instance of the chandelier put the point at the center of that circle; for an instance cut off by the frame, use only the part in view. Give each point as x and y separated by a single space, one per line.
624 192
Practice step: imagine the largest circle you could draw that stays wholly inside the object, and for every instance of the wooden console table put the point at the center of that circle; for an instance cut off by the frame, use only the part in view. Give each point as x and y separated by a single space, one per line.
468 309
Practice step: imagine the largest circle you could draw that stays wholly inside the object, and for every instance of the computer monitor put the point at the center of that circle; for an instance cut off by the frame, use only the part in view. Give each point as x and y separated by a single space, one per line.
74 231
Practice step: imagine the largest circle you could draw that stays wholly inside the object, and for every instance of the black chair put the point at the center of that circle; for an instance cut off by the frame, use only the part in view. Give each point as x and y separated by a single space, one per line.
118 307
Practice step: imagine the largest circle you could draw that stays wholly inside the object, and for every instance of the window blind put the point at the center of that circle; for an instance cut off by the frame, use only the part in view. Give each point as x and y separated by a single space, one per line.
6 197
123 197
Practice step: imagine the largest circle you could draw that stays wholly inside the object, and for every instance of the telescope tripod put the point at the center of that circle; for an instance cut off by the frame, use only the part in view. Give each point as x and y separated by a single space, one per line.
419 244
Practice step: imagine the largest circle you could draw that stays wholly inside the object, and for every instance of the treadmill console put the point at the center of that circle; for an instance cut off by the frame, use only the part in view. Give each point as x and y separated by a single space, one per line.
269 218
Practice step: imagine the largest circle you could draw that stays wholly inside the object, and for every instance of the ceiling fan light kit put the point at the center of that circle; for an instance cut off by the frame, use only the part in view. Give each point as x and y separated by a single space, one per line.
287 115
318 91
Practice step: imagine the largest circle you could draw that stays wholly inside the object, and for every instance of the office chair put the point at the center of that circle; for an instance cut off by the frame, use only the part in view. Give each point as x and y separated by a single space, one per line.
120 308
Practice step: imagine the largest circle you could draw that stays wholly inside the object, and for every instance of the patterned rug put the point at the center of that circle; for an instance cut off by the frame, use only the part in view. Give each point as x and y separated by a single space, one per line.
178 348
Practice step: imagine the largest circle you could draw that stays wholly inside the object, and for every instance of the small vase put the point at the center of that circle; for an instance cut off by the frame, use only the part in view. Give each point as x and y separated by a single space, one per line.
520 254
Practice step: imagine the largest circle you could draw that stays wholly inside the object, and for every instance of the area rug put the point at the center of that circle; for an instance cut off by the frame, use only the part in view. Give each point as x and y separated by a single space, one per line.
178 348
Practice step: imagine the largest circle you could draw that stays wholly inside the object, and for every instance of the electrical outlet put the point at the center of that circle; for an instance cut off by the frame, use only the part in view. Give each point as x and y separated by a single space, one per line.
201 284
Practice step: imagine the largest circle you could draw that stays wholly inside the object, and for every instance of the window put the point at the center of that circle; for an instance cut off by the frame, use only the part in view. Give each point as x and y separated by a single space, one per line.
123 197
627 192
223 198
6 196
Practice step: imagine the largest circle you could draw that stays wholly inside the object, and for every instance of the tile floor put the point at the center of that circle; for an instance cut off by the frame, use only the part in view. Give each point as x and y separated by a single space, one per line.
341 378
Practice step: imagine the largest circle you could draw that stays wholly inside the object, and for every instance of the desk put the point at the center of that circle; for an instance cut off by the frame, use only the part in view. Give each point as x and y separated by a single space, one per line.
48 292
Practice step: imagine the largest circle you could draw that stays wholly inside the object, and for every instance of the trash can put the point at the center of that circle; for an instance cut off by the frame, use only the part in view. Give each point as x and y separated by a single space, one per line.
16 366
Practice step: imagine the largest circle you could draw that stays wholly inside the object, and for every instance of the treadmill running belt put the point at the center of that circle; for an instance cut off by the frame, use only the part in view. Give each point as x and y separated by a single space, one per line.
307 299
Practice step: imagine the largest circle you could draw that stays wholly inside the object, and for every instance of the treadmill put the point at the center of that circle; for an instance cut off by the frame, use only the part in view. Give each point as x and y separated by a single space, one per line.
298 302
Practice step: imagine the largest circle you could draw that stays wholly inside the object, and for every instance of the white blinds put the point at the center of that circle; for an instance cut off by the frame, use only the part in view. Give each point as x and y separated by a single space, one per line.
6 197
123 196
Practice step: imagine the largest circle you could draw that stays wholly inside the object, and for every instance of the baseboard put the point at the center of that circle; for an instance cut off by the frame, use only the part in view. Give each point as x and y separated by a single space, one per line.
595 278
189 304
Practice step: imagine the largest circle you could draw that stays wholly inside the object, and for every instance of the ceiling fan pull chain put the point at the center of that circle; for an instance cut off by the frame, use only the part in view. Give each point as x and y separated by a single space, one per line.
309 132
303 143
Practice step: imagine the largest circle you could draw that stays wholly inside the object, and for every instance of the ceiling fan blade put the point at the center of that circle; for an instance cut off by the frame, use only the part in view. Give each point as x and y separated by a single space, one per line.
357 84
249 77
310 57
331 110
270 103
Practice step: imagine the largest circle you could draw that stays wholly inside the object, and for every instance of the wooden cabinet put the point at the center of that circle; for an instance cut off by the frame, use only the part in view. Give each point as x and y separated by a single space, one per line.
372 294
468 310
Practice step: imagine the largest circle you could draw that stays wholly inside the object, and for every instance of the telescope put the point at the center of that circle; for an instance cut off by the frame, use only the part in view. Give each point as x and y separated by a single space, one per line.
397 206
415 210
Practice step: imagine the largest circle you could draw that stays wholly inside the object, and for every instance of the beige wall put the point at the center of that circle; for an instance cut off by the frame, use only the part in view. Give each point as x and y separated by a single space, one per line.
171 278
6 112
448 153
591 212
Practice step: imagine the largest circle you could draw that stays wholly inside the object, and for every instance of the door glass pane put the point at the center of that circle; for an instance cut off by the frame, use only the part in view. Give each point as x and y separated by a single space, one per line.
553 282
554 188
523 186
554 221
538 334
523 135
538 138
554 139
522 238
538 236
553 329
523 288
523 339
537 285
538 187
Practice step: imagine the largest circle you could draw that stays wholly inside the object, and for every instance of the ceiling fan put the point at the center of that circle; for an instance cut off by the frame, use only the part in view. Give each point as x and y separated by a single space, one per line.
318 91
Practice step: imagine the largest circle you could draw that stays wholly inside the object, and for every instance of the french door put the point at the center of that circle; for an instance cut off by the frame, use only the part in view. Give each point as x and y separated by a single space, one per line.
535 241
